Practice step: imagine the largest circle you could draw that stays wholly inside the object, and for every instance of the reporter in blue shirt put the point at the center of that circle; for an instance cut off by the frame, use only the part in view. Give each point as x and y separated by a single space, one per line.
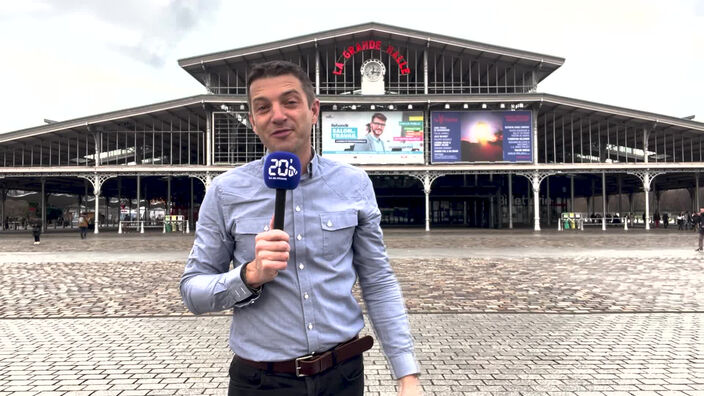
291 289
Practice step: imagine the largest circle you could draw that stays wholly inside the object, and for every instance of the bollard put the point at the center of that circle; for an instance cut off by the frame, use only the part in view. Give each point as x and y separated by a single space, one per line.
581 224
119 227
625 225
559 224
141 231
163 230
188 228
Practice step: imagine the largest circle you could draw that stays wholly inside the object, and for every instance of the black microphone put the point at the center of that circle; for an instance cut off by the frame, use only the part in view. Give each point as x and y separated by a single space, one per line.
282 171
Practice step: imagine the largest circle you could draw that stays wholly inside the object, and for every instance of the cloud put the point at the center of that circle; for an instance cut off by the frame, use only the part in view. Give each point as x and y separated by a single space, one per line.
154 27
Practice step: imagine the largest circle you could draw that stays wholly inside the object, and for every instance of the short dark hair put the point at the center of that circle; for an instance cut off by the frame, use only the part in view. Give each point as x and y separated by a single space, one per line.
280 68
379 116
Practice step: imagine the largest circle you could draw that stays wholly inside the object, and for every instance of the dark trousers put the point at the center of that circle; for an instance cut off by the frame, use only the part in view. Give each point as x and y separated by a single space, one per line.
83 232
701 240
345 379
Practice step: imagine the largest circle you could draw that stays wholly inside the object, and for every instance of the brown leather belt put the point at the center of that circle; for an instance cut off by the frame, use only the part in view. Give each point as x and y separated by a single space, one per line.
313 364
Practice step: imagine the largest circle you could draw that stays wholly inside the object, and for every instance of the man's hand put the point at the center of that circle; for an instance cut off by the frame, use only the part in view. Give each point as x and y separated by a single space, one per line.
409 386
270 256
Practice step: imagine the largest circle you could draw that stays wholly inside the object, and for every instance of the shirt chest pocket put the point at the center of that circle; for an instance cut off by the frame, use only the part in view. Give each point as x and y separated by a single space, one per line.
244 231
338 231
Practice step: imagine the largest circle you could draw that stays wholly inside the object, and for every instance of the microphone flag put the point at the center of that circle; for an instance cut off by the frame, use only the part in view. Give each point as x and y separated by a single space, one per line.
282 171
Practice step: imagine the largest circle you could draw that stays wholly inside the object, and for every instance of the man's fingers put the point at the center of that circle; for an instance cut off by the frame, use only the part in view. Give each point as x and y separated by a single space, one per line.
272 235
269 256
272 246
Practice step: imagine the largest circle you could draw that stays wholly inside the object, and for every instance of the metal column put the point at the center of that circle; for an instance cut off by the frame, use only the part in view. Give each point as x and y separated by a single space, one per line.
168 196
572 193
547 198
3 196
190 207
696 192
43 204
620 197
96 193
426 190
139 209
646 193
535 183
603 201
510 201
119 200
208 138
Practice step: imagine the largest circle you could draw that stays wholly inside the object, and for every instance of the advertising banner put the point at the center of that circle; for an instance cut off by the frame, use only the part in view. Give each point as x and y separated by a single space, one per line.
481 136
368 137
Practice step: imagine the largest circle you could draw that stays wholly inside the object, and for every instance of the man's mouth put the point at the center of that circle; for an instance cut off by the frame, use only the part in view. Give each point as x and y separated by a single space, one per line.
281 133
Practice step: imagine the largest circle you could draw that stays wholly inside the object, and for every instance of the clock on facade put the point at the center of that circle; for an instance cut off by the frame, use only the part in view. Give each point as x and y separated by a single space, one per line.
373 69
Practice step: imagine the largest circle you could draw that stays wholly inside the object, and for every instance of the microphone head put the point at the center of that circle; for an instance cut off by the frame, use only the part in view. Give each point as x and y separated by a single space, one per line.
282 170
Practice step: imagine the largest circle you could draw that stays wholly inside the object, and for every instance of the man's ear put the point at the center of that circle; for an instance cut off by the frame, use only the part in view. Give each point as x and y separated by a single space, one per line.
315 108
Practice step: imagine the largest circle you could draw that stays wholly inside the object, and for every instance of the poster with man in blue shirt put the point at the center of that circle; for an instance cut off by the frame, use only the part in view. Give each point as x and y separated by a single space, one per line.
296 323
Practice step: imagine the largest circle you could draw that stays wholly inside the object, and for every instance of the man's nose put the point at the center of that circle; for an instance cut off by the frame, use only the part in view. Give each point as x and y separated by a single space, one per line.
278 114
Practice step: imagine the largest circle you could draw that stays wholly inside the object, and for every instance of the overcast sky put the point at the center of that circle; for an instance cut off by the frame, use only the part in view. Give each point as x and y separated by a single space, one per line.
66 59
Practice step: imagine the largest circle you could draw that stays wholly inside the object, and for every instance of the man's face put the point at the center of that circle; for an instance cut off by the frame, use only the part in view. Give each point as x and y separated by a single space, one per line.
377 126
281 115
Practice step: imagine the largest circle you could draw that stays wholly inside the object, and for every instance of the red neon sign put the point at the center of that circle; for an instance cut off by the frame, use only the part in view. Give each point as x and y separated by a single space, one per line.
369 45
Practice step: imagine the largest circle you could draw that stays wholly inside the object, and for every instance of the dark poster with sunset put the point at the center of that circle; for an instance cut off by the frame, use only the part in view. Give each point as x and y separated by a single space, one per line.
481 136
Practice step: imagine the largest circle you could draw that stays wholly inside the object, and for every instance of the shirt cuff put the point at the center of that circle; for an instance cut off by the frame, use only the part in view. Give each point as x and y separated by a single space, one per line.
403 365
240 293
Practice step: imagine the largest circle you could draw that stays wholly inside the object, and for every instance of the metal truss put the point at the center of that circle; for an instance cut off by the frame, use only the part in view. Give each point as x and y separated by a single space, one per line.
97 180
646 177
205 177
426 178
536 177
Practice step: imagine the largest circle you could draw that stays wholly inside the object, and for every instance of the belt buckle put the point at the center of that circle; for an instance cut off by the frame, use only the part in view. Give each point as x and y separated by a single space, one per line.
298 368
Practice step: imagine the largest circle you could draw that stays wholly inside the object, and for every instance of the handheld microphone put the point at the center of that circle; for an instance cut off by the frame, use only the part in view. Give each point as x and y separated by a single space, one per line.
282 171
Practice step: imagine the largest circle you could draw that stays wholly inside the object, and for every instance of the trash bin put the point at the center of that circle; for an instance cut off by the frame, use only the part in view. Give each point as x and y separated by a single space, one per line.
168 227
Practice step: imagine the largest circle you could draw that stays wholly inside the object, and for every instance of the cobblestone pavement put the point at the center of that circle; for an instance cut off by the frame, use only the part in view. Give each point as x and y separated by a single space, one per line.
498 312
459 354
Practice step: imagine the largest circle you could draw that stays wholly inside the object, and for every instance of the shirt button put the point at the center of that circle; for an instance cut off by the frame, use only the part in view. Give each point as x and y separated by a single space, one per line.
266 228
298 208
301 266
299 237
305 295
310 326
329 223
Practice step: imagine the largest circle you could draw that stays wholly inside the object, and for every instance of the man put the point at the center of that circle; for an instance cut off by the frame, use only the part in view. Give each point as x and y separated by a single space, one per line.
699 224
291 290
83 225
374 130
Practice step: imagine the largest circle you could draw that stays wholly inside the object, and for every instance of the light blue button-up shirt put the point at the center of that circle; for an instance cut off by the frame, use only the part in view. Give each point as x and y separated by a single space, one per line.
375 143
333 221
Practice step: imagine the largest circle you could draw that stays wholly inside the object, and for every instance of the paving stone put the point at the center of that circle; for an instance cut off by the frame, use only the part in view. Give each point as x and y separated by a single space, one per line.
508 313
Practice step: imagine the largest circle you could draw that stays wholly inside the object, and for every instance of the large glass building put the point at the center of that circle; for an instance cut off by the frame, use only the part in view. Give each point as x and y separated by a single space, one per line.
451 131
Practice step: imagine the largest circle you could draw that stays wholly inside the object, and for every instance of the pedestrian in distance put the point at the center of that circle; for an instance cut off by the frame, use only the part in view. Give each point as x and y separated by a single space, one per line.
665 219
36 231
696 220
295 321
83 225
700 228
